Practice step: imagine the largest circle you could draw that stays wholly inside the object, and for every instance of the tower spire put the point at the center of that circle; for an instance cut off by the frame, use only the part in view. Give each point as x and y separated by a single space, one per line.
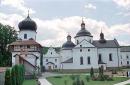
82 24
28 14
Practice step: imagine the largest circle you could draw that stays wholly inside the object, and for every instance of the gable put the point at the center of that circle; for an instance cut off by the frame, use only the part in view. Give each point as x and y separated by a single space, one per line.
85 43
51 53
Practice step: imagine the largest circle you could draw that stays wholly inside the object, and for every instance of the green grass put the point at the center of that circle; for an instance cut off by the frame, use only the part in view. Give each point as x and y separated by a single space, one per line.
60 81
30 82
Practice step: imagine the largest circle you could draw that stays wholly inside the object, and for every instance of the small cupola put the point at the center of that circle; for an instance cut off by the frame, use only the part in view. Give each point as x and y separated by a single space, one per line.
102 39
68 44
68 38
82 25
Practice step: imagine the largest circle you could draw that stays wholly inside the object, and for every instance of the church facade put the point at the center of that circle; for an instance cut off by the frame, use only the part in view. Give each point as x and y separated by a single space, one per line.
86 53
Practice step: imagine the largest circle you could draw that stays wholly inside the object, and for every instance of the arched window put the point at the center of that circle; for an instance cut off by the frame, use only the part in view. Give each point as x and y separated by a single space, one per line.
110 57
89 62
99 58
25 36
81 60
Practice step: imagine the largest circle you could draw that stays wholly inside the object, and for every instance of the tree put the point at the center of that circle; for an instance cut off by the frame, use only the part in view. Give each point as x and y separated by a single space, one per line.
91 72
7 77
7 35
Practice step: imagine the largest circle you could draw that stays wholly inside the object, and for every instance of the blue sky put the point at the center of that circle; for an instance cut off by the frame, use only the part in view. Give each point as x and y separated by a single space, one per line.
57 18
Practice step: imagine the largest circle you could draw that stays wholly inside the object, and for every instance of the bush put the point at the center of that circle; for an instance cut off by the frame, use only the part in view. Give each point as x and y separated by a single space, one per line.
91 72
65 82
17 75
72 77
87 78
57 76
82 82
7 77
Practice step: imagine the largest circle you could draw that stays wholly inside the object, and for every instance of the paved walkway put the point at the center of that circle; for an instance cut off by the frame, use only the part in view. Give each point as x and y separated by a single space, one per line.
123 83
43 81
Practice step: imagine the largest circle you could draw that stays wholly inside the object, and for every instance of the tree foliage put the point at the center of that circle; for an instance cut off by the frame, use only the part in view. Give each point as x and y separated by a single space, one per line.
7 35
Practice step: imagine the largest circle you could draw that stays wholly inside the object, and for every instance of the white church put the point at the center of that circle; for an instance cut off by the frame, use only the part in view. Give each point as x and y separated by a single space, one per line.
26 50
81 55
86 53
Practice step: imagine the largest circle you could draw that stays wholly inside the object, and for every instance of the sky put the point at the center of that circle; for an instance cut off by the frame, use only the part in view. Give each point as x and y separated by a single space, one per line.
57 18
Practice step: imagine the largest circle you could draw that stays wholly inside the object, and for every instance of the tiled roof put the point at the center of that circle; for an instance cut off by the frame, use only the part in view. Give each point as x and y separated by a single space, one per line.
125 48
25 42
107 44
68 61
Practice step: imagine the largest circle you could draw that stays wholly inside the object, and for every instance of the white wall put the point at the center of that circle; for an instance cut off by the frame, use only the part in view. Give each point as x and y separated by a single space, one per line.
124 59
51 55
88 38
105 56
51 59
30 34
85 54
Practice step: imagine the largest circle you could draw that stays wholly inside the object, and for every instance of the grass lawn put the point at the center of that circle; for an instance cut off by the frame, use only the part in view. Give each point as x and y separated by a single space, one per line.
60 81
29 82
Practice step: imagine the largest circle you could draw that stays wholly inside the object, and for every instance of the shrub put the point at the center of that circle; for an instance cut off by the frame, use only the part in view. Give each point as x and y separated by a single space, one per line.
65 82
57 76
78 81
72 77
87 78
91 72
7 77
82 82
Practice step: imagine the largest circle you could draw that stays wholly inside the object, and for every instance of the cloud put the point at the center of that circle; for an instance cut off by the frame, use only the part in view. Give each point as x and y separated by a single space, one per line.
10 19
123 3
54 31
17 4
90 6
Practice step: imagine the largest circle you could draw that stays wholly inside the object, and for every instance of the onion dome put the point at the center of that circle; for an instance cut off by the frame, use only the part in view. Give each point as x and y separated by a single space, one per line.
102 39
83 31
68 44
27 24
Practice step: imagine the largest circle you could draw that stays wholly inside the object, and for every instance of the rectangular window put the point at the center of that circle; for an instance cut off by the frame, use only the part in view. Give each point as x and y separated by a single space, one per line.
25 36
89 62
127 62
110 57
81 60
127 57
46 60
55 60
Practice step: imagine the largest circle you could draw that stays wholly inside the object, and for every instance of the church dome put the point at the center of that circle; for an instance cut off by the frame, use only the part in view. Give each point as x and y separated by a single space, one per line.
27 24
68 43
83 31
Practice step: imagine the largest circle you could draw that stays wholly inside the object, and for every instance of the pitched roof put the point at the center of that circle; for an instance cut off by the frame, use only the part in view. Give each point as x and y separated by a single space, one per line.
107 44
125 48
25 42
68 61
